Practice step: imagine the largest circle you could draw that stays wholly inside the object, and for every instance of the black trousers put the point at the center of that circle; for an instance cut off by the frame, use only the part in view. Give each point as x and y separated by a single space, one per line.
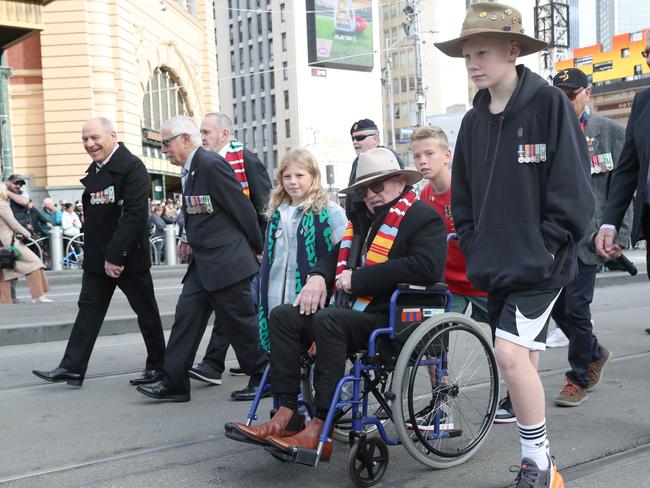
573 316
233 306
94 299
336 332
215 354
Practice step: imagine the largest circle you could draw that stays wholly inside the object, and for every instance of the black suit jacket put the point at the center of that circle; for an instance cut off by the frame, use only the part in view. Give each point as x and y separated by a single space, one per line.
259 185
225 241
631 172
116 231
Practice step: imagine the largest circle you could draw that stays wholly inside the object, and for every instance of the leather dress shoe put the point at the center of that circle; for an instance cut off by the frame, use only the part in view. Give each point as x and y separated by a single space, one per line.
146 377
161 392
248 394
60 374
206 373
305 439
284 423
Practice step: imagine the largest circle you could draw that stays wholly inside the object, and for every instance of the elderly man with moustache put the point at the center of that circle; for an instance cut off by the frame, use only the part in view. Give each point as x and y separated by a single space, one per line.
224 234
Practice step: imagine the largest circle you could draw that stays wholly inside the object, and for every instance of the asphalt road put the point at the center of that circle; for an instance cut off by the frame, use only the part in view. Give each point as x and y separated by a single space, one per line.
108 435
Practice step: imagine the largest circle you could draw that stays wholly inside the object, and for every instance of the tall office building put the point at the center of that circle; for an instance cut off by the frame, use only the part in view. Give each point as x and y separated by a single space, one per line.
298 74
444 79
620 16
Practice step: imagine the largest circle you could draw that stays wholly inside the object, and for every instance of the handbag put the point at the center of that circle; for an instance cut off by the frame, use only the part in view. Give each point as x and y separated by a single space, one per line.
9 255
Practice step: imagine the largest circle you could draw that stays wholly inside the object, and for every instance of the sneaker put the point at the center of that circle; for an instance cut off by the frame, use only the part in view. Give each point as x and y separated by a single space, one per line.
596 368
505 413
571 395
530 476
557 339
206 373
236 372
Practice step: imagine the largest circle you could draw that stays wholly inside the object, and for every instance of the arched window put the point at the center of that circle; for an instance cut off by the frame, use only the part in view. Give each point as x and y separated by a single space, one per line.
164 97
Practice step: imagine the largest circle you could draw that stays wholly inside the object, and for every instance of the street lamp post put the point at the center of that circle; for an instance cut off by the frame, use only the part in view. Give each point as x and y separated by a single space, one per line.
412 11
391 102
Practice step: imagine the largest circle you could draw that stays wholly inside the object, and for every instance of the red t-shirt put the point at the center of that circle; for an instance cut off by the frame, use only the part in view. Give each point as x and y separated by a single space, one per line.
455 272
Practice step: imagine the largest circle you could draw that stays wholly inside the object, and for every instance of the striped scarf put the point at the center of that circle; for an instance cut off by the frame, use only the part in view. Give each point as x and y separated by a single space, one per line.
235 158
380 246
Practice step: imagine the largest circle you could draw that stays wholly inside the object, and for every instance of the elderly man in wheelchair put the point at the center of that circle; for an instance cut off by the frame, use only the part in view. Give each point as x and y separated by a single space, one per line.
400 240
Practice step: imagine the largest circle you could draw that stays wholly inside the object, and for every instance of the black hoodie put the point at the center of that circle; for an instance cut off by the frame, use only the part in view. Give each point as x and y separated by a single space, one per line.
519 222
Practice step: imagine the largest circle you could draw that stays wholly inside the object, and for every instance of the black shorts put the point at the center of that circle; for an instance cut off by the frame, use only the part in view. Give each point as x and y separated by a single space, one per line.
522 316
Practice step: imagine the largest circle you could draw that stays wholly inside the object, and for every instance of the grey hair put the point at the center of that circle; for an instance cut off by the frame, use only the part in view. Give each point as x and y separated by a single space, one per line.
107 124
180 124
222 122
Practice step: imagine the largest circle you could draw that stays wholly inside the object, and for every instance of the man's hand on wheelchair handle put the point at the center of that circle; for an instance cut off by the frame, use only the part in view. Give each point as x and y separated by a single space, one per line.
312 296
605 246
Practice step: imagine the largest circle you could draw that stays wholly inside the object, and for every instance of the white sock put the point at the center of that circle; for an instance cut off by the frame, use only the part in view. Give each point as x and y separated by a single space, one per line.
534 443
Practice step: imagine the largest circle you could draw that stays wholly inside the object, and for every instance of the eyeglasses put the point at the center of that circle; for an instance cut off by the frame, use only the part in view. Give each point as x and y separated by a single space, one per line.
375 187
645 53
572 94
361 137
168 141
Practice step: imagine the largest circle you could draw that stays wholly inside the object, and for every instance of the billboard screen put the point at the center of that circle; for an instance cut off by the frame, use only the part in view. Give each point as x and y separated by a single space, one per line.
340 34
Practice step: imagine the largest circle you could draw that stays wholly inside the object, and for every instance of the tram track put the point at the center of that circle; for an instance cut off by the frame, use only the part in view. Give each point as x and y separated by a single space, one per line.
640 451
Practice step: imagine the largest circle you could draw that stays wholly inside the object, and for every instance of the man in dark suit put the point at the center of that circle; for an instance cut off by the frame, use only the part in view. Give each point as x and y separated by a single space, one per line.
116 253
217 135
630 176
224 234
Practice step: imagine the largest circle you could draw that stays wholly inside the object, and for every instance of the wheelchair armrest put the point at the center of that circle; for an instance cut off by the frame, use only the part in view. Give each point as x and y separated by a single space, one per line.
438 287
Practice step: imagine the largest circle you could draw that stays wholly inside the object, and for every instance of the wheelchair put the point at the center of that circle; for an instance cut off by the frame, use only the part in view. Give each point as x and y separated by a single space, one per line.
434 384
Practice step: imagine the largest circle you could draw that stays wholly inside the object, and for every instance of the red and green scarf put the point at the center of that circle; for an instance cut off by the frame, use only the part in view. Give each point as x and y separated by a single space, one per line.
235 158
380 246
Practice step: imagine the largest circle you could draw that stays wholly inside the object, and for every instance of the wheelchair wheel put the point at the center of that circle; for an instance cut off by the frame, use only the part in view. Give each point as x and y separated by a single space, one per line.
367 461
449 391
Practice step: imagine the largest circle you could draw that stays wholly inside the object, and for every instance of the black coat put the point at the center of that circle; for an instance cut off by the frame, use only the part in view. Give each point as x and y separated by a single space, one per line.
417 256
224 242
259 185
519 218
631 172
116 231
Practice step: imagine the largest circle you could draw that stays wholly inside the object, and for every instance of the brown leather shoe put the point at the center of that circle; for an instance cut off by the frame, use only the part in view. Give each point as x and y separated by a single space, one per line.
284 423
307 439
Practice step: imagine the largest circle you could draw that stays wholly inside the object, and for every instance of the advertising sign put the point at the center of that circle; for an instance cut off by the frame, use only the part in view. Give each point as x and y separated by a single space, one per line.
340 34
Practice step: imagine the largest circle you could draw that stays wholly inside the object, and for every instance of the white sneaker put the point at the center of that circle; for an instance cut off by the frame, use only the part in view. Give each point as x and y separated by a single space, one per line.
557 339
42 299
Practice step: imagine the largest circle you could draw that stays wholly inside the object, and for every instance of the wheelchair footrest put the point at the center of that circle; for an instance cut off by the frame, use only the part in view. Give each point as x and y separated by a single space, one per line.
299 455
235 435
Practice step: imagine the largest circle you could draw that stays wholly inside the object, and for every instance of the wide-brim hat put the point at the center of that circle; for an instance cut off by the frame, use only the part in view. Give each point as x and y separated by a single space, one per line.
490 19
379 164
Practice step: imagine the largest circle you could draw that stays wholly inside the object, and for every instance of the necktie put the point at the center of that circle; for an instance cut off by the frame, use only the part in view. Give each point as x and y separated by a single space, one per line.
184 176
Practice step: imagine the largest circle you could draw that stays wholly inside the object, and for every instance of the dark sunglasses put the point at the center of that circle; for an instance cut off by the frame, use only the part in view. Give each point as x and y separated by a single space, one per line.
572 94
645 53
376 187
168 141
361 137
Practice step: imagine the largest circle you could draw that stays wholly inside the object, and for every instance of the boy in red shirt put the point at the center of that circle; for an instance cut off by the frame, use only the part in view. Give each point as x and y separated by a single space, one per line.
432 155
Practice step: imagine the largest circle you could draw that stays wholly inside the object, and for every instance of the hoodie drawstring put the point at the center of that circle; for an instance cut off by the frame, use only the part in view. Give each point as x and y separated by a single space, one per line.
489 182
